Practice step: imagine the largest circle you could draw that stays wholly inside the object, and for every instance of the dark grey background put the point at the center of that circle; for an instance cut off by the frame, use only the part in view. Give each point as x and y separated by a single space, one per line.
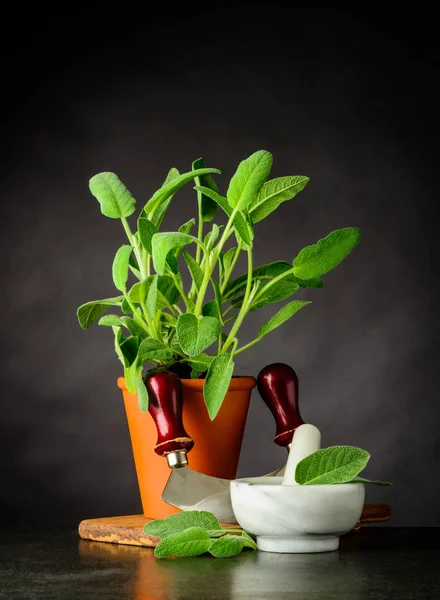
348 99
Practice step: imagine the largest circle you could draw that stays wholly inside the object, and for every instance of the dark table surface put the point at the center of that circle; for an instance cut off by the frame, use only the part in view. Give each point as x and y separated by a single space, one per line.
378 563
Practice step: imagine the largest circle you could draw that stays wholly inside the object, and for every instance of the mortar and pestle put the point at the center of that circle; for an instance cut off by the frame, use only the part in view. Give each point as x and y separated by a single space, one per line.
286 516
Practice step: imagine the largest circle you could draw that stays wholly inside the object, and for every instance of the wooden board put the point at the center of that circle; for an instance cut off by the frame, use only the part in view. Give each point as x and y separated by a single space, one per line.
128 530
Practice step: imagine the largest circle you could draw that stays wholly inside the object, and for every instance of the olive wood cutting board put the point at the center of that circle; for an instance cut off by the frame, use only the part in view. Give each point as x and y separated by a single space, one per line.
128 530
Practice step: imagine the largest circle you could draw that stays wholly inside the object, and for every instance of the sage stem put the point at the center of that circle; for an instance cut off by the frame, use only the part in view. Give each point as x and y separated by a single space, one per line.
244 307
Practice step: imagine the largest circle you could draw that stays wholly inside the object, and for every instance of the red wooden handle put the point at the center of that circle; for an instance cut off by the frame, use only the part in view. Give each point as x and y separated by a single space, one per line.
165 406
278 386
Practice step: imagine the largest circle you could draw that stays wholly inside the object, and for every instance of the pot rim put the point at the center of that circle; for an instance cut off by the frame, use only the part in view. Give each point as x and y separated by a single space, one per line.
237 383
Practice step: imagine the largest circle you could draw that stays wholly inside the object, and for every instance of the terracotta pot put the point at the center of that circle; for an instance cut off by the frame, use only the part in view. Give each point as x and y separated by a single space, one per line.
217 443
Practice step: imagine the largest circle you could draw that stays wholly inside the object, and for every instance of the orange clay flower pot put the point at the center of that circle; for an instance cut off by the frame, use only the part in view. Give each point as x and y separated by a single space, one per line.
217 443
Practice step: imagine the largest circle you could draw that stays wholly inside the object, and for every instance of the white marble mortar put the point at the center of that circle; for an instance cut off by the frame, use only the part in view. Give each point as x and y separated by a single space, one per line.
296 518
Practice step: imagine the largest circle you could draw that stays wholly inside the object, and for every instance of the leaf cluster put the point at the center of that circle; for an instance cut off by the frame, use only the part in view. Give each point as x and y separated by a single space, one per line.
164 324
193 533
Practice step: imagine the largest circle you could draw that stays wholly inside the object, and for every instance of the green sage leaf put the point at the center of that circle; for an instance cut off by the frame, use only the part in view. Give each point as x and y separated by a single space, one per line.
196 334
142 394
273 193
186 227
132 374
146 231
110 321
88 313
194 269
212 236
119 338
246 183
151 349
249 541
151 302
228 257
134 267
210 309
120 267
201 362
169 189
326 254
283 315
172 265
227 545
263 273
336 464
217 383
134 328
129 348
309 283
276 293
181 521
115 200
162 243
208 206
158 215
191 542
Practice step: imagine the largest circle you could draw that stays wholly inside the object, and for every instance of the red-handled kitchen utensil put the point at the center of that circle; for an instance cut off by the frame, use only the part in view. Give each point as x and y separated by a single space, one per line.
188 489
185 487
278 386
165 406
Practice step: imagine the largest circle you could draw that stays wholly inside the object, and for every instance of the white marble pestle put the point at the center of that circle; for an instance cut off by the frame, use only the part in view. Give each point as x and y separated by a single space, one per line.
307 439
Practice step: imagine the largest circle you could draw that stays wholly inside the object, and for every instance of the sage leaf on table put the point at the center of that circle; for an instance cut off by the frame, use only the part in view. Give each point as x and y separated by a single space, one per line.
217 383
88 313
192 533
195 334
336 464
273 193
247 181
181 521
227 545
320 258
190 542
115 200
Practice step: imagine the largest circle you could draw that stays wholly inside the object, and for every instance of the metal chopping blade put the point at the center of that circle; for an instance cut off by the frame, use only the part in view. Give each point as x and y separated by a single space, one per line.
186 488
190 490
